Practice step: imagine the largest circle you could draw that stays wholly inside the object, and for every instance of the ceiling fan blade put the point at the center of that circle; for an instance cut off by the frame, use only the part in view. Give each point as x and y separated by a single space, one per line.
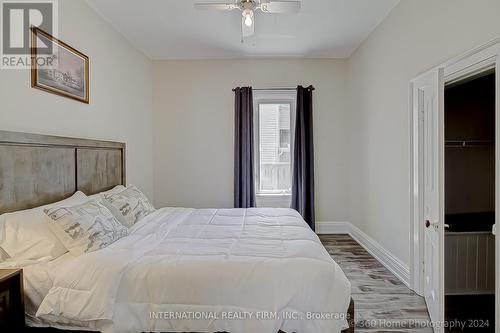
215 6
280 6
247 31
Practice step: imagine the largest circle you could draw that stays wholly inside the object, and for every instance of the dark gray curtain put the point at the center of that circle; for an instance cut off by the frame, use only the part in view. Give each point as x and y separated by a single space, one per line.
303 157
244 185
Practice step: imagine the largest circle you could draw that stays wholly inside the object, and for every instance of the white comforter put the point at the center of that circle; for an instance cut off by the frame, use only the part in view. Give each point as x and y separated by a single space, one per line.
186 270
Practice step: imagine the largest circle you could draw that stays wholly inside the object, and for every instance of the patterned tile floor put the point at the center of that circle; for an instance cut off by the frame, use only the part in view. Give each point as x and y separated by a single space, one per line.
382 303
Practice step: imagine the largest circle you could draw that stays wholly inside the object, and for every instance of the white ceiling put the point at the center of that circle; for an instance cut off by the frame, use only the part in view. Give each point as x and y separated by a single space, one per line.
173 29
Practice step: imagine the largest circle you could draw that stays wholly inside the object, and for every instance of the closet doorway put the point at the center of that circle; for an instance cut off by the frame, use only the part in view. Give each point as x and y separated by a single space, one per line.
469 203
455 191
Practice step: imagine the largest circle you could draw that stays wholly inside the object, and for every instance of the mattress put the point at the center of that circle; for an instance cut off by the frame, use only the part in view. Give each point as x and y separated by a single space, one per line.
208 270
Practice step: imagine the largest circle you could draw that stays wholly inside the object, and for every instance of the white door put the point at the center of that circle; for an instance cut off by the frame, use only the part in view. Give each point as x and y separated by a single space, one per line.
429 91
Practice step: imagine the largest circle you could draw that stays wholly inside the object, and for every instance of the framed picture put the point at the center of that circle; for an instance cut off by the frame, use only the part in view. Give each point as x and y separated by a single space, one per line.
58 68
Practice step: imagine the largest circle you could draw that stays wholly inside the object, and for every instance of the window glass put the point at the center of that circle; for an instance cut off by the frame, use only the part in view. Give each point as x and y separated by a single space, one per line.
274 148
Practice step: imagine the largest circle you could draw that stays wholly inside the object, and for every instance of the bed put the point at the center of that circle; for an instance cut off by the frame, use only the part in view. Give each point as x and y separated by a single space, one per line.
179 269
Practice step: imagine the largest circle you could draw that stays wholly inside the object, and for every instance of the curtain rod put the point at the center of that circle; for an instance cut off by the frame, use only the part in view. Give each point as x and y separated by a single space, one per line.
288 88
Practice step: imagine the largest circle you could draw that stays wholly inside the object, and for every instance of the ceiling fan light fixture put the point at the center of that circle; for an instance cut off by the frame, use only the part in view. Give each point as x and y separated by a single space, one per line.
248 21
248 9
248 15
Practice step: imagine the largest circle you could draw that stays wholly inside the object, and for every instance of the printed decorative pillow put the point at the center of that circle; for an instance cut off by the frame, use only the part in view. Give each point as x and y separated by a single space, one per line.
129 205
99 196
85 228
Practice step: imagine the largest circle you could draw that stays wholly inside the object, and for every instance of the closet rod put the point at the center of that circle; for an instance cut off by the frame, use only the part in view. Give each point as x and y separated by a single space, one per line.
287 88
468 143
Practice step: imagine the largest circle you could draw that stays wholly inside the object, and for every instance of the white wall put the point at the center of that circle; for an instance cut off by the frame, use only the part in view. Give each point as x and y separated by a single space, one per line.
120 94
416 36
193 128
361 111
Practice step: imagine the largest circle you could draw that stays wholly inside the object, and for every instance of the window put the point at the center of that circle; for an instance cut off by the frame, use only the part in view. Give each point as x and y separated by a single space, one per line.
274 148
274 115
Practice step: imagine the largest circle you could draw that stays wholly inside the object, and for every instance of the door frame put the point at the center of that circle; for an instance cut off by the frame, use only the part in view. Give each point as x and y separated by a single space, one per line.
472 62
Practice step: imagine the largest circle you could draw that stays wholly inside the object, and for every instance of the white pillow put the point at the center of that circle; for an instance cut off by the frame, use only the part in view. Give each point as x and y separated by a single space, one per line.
85 228
129 205
98 196
24 235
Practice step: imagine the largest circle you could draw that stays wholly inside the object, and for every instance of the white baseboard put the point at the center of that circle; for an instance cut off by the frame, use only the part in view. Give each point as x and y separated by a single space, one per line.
393 264
323 228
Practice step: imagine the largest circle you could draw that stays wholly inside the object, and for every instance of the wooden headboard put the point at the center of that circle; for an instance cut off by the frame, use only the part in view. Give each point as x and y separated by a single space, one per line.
39 169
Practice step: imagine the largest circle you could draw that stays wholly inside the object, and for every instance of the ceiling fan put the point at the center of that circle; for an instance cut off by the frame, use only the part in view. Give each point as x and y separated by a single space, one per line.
248 7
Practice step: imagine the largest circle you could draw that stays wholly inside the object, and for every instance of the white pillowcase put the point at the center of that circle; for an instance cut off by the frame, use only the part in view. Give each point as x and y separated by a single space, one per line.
24 235
98 196
85 228
129 205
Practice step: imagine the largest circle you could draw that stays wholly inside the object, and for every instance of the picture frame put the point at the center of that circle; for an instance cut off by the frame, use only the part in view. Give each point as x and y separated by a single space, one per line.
68 73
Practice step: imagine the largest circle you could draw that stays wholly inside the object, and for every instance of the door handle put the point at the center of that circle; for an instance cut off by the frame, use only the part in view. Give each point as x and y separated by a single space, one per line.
428 223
